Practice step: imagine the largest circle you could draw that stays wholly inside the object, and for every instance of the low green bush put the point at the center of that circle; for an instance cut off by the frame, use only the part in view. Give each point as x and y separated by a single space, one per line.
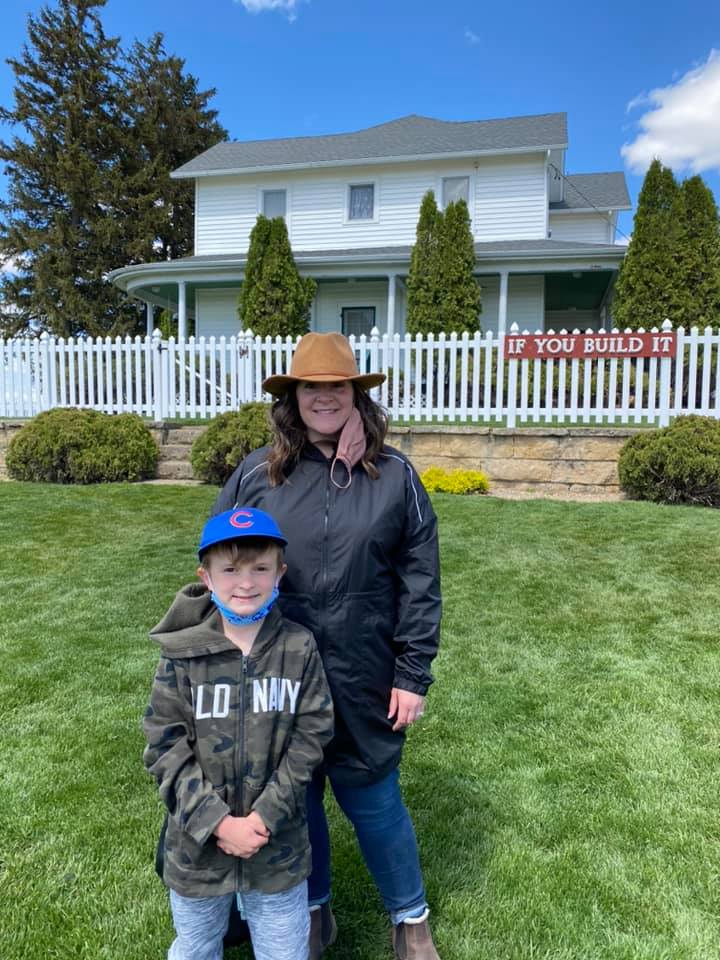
676 464
229 438
82 446
437 480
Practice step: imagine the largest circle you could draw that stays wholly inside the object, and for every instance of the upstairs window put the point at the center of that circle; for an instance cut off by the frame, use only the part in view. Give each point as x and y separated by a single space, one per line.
455 188
274 203
361 205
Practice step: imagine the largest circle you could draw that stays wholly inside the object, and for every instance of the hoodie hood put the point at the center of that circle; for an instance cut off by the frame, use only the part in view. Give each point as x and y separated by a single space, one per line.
193 626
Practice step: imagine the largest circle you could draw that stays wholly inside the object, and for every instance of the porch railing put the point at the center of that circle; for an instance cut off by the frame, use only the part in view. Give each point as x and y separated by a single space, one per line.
429 379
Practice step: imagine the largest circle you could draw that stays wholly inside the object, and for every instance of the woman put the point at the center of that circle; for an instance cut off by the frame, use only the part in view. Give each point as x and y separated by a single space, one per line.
363 575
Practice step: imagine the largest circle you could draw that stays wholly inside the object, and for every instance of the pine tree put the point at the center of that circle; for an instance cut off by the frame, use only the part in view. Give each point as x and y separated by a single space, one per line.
275 299
459 290
647 289
259 239
170 122
58 223
423 304
89 185
698 255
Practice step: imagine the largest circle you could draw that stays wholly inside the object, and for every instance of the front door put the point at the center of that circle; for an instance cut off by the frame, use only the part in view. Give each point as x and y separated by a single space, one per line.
358 320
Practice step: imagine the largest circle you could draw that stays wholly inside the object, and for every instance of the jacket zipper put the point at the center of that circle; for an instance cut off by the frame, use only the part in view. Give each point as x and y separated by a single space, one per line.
240 780
325 550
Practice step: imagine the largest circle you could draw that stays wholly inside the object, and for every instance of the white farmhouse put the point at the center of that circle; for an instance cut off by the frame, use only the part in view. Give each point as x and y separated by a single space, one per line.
544 240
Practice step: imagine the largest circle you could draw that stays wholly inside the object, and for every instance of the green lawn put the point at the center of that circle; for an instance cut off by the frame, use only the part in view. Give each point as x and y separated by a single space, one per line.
564 781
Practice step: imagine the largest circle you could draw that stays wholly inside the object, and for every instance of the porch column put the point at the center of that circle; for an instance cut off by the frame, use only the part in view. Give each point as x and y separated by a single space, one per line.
392 280
502 303
182 311
149 315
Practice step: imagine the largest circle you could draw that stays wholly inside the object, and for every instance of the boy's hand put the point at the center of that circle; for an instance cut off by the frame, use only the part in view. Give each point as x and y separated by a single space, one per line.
406 707
242 836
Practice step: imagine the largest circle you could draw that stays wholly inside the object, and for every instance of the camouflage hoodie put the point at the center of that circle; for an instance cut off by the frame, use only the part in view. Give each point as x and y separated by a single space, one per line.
227 734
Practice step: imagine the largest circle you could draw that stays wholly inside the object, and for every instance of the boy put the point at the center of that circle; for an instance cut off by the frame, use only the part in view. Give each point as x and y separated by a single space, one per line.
238 716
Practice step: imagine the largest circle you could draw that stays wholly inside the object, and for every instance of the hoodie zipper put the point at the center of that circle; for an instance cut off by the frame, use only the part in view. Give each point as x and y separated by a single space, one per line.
240 775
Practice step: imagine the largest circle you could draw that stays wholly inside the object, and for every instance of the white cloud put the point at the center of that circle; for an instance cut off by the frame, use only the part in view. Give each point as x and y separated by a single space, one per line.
471 36
9 266
261 6
682 127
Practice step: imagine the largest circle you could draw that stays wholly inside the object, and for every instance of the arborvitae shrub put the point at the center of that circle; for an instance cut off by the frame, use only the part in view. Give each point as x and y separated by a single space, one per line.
228 440
437 480
677 464
82 446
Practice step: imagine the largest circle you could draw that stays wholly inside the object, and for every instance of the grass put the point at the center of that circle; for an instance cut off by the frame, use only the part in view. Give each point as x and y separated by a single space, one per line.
563 782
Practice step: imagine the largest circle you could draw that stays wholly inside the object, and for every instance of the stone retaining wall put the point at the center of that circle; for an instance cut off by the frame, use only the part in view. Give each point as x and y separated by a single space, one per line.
575 461
546 461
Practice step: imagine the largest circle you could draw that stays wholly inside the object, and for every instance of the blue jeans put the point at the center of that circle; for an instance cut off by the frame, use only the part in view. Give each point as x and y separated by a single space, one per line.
387 840
279 924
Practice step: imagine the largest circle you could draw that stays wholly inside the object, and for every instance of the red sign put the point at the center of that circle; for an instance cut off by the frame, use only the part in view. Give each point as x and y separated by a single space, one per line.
589 346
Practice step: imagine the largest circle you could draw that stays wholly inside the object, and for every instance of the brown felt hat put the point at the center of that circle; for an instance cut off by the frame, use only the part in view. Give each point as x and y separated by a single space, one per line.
322 358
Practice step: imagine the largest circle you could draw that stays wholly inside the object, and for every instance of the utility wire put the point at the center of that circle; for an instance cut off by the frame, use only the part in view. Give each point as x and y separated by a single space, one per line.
588 201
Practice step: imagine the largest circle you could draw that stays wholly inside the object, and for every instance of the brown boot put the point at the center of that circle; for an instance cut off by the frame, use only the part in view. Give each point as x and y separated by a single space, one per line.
413 941
323 930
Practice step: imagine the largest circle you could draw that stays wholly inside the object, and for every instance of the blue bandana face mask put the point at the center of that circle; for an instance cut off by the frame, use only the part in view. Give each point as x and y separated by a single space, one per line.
239 621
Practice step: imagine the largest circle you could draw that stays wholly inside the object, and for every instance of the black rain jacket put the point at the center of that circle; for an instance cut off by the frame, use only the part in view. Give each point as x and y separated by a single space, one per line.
363 575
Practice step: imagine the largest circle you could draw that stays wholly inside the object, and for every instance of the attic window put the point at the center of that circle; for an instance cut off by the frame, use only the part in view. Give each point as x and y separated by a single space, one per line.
455 188
274 203
361 205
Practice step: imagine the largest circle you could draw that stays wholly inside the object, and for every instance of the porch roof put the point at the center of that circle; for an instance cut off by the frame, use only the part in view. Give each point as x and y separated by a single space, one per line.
392 256
594 191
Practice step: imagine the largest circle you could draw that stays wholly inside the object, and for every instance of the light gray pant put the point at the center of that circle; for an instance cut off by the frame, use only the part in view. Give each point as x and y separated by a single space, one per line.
279 924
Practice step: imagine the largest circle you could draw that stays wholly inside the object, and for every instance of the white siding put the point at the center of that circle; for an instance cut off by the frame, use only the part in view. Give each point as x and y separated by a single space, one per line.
508 200
332 297
225 213
526 301
511 199
216 313
583 227
490 293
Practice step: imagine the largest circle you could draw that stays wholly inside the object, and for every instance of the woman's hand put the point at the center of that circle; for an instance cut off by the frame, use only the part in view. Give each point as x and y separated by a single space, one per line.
406 707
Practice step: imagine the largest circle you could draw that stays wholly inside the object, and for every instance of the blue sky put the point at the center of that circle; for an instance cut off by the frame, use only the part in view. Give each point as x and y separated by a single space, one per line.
636 79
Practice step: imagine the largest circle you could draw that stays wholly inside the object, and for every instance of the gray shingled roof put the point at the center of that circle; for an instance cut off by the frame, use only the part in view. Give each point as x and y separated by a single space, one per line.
584 191
411 136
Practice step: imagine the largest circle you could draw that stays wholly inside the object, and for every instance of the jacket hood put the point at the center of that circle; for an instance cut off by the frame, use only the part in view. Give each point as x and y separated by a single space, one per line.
193 627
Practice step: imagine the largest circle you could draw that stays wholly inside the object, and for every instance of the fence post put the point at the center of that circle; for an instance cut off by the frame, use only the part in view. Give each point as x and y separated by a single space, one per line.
44 371
157 380
374 359
512 380
665 377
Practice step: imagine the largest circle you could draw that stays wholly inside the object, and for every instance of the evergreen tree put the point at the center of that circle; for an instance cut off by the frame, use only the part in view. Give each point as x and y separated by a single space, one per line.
423 304
170 123
58 222
89 185
647 289
259 239
459 290
276 299
698 255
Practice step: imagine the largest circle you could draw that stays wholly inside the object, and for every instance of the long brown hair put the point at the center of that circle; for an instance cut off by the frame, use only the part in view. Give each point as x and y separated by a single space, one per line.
290 436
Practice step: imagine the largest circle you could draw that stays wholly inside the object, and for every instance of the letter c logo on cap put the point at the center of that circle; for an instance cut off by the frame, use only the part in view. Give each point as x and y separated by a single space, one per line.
242 525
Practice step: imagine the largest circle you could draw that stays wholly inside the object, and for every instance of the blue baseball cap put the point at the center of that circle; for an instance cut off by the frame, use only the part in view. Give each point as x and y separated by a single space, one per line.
239 522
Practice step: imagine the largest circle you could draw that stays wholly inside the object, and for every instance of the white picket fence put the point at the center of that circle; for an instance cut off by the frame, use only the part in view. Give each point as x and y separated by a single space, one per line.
429 379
